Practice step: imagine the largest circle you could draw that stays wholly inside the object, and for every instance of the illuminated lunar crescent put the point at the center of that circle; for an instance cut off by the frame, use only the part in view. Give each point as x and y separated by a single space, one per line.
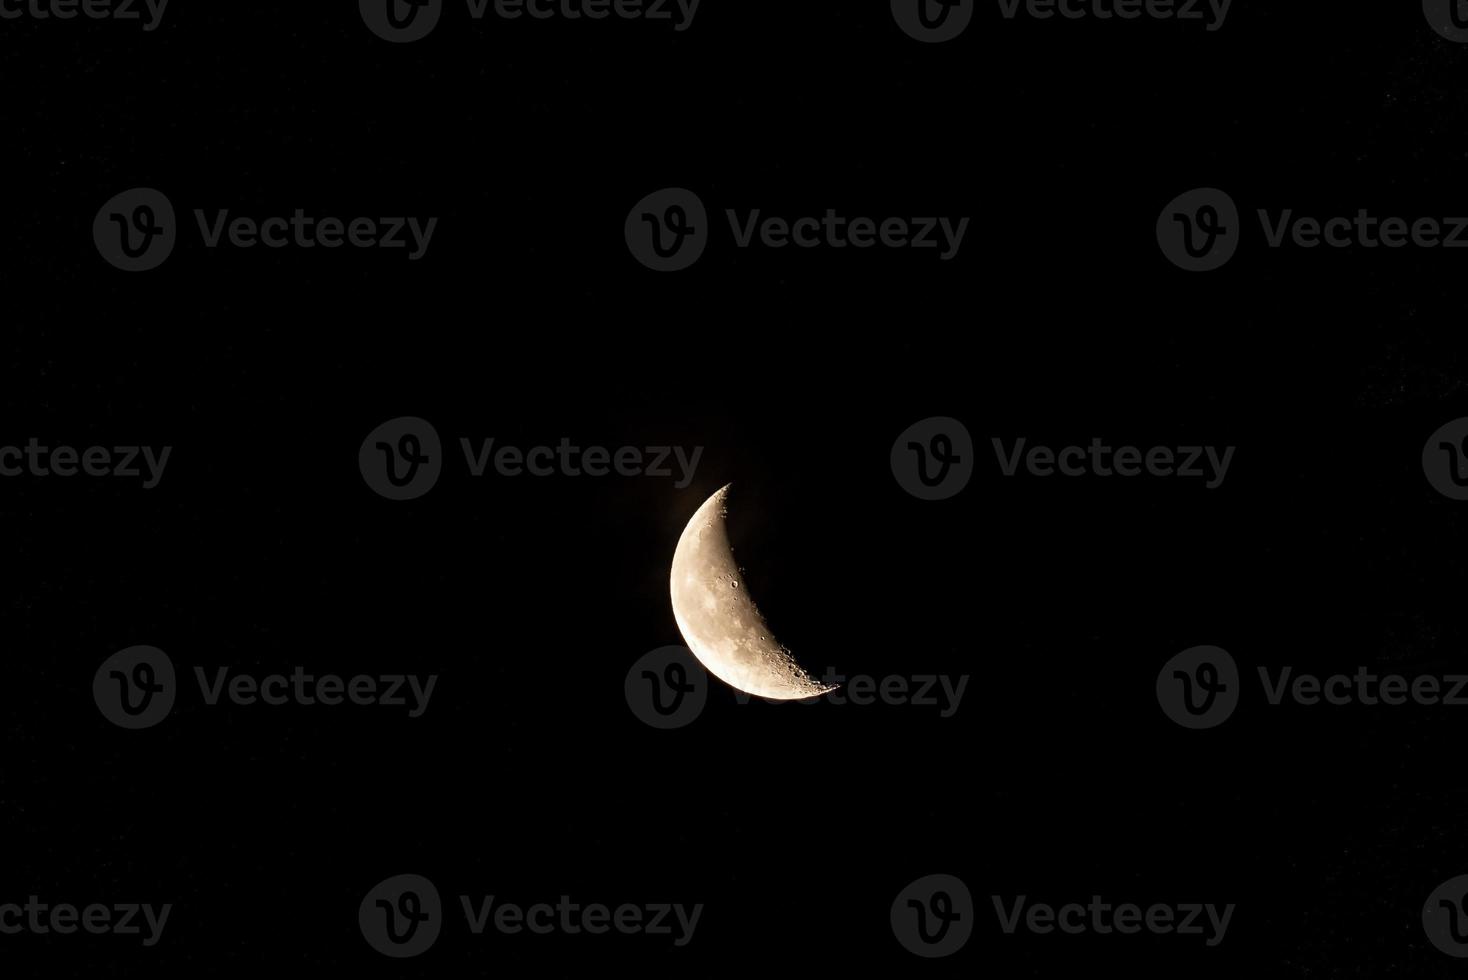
719 619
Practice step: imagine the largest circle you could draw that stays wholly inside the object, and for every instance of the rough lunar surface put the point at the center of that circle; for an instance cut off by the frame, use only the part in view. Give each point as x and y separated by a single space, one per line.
720 621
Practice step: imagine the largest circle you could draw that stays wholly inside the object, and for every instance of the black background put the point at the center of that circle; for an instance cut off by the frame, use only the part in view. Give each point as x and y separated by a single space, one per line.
528 321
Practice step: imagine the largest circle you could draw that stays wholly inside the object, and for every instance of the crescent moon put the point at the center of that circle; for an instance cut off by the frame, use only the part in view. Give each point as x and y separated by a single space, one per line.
718 618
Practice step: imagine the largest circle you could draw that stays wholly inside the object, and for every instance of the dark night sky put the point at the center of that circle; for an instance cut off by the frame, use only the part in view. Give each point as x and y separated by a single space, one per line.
796 825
